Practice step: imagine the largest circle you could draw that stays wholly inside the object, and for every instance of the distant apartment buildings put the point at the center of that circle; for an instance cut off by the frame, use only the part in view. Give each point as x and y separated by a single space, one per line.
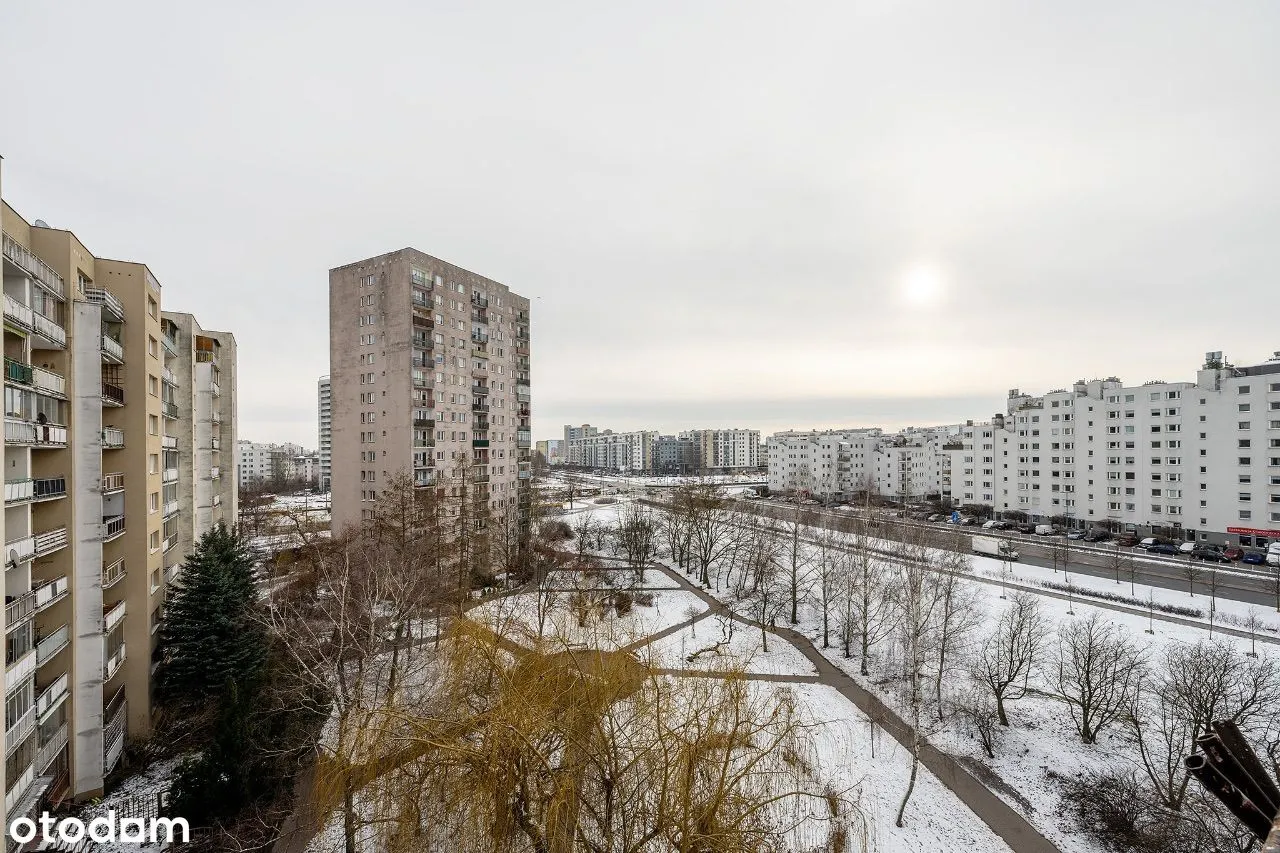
324 406
259 463
116 416
838 464
648 451
1198 457
429 377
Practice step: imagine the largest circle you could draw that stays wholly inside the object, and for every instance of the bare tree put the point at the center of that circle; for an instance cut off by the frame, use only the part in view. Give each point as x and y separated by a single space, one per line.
866 603
713 525
798 559
1009 655
1099 669
974 707
833 573
956 616
637 535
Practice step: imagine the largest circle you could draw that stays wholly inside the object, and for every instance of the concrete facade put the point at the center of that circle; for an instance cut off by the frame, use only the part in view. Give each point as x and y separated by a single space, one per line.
324 409
429 376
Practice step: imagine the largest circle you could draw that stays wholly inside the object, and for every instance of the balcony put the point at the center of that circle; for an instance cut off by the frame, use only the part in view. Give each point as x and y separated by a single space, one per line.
113 574
206 356
112 527
168 543
112 438
39 272
112 395
215 443
21 432
19 491
170 508
115 716
479 442
479 301
214 472
52 643
479 373
479 390
480 477
52 748
215 416
49 697
112 483
480 315
20 550
522 393
169 409
170 475
16 312
479 408
19 610
51 540
170 442
112 350
112 615
168 376
19 731
110 304
216 388
522 347
113 662
522 438
170 343
51 592
16 371
479 338
48 382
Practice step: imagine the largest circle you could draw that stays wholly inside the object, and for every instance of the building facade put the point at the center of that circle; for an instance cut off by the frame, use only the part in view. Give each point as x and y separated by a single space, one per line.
646 451
429 377
1199 458
911 465
324 406
93 507
625 452
572 434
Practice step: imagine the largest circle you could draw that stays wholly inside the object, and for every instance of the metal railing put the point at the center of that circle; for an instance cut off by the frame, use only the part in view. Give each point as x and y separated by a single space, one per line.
17 312
113 526
112 482
50 592
20 549
217 389
169 409
113 348
34 267
51 540
112 615
48 328
50 487
112 393
113 573
19 609
50 749
19 490
168 376
16 371
112 437
106 299
49 382
49 696
51 644
112 664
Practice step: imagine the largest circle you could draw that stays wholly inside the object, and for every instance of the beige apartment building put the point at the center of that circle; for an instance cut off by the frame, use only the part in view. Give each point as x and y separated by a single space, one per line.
103 419
429 376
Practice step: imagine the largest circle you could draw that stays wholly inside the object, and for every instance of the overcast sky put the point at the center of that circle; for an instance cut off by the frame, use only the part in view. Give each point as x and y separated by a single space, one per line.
738 214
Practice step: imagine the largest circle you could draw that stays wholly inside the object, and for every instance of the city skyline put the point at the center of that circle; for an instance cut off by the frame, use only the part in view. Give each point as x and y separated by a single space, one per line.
844 226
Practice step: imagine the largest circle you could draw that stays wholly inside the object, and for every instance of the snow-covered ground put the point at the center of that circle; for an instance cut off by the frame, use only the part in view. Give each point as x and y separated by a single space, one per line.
136 797
743 651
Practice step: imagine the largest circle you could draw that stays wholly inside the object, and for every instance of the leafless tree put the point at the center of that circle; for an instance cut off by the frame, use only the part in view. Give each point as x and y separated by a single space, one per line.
713 525
1098 672
956 617
798 581
833 570
866 601
1009 655
975 707
637 536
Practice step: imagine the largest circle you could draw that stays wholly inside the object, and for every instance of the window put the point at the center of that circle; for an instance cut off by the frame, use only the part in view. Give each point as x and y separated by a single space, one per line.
1243 443
153 541
1246 515
153 308
153 424
1246 497
153 463
153 347
1243 425
153 386
153 502
1243 389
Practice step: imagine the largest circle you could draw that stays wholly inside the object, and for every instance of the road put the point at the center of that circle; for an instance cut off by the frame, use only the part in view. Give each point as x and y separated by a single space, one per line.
1251 584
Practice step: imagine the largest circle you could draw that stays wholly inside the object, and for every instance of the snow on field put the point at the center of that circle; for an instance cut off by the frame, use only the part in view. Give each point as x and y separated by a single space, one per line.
935 818
669 607
743 650
136 797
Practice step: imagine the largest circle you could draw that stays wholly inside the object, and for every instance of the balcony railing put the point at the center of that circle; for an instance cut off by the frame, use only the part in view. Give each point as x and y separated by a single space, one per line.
52 748
39 271
215 443
169 442
170 344
19 731
16 371
479 338
214 472
479 389
107 300
51 644
49 697
112 615
20 609
112 438
217 389
112 482
113 662
48 382
53 591
17 312
25 432
169 542
116 715
17 491
113 573
479 407
51 540
169 410
168 376
170 475
112 395
479 301
20 550
112 526
49 329
170 507
522 438
47 488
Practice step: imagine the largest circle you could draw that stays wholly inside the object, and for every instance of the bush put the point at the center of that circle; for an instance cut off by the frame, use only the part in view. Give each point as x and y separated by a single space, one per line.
1173 609
644 599
1114 809
622 603
555 531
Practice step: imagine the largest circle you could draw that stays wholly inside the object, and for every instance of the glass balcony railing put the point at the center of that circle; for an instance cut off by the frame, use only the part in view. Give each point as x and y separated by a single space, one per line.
169 410
52 643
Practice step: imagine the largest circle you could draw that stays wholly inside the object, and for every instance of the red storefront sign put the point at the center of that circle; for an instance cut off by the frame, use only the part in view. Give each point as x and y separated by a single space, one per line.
1253 531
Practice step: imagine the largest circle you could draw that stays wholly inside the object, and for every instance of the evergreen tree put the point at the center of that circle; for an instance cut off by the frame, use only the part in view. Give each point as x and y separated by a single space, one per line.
212 636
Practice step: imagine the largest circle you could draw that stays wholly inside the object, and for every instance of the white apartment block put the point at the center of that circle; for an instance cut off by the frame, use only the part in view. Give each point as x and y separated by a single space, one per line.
1198 457
614 451
571 434
725 449
837 464
258 462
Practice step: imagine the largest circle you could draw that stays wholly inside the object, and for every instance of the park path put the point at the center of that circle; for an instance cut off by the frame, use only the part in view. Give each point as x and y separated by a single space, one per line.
1002 818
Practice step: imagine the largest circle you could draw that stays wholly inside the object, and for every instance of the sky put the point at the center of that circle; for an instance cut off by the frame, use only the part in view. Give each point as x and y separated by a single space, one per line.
743 214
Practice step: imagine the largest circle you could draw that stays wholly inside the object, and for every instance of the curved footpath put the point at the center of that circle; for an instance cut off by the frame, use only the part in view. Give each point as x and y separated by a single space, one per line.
1003 820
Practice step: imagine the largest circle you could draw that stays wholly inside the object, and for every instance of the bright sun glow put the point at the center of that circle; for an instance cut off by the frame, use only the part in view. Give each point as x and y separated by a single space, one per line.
922 285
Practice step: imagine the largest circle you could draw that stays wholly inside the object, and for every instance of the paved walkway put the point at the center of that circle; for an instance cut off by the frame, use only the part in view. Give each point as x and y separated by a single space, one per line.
1003 820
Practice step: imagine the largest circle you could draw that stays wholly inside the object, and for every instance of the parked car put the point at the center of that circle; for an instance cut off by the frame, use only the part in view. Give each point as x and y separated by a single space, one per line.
1156 540
1233 552
1162 548
1187 547
1209 554
1075 534
1097 534
1273 554
1026 528
1128 540
1046 530
1254 557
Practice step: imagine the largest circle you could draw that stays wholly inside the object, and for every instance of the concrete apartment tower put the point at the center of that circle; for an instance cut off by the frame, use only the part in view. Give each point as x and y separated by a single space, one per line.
429 374
92 503
324 408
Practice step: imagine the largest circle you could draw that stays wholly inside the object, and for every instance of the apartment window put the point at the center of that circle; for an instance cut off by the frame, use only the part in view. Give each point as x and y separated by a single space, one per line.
153 347
1243 389
1243 425
153 308
153 386
1246 497
1246 514
153 541
1243 443
153 502
153 424
153 463
1246 460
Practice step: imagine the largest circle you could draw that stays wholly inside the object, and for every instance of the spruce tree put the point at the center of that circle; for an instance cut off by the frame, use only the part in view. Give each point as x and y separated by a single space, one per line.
211 634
